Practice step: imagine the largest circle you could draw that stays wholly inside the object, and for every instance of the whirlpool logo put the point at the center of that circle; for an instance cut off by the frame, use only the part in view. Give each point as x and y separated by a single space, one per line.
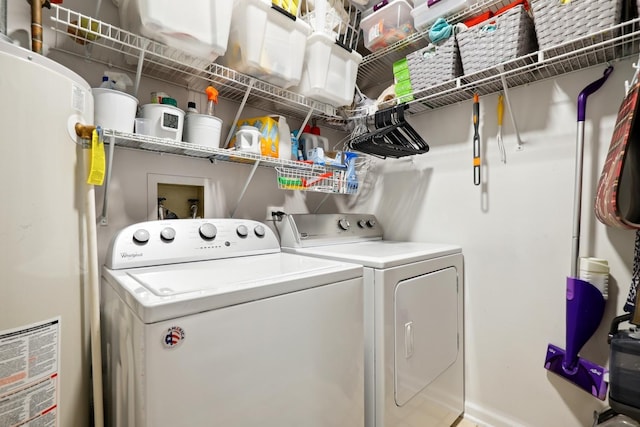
173 336
127 255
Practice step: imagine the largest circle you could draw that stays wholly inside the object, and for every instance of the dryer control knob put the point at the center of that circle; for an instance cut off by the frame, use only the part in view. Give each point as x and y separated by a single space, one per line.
208 231
242 231
141 236
344 224
371 223
259 230
362 223
168 234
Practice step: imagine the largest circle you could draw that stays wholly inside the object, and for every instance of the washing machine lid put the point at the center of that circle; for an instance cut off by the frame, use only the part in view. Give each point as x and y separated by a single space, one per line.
169 291
379 253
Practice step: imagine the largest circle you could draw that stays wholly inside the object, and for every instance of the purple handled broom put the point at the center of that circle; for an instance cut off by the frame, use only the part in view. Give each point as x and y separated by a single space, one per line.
585 303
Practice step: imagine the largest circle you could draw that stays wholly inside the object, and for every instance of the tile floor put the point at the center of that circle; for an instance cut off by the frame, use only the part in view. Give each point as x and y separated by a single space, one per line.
461 422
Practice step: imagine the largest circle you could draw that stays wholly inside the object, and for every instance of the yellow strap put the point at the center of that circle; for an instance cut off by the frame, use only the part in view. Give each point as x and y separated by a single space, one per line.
96 171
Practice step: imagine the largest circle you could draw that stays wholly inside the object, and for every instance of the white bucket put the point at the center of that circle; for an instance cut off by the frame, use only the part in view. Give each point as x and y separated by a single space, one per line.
202 129
596 272
166 121
114 109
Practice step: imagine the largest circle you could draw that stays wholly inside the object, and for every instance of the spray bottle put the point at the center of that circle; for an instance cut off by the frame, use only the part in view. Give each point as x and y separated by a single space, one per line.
212 96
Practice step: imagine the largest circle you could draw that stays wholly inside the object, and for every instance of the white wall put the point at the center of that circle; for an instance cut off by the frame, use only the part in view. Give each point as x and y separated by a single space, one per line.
515 229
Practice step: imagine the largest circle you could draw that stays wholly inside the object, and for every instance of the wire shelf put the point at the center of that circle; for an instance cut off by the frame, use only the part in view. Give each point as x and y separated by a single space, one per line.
376 67
87 37
618 42
169 146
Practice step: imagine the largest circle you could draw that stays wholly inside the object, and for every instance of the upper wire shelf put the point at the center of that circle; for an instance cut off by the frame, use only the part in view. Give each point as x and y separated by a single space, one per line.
618 42
173 65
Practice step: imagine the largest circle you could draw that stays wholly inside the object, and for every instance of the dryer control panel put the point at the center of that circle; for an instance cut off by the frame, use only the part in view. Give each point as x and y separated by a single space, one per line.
306 230
184 240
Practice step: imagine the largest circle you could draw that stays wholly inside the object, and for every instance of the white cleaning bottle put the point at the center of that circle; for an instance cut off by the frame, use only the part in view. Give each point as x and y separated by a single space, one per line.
191 108
106 83
284 146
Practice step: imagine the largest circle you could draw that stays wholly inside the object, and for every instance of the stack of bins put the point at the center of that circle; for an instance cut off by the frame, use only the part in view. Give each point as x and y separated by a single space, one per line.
266 41
331 61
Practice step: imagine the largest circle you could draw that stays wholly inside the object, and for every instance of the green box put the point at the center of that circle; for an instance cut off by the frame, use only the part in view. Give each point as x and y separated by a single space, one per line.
402 75
400 65
403 87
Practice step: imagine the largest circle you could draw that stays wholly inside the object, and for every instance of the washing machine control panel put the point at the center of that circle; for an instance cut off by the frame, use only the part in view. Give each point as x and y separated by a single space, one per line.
185 240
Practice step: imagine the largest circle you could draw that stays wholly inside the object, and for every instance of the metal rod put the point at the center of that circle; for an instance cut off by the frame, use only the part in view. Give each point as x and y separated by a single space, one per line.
246 185
235 120
511 114
136 85
577 201
105 199
3 20
306 120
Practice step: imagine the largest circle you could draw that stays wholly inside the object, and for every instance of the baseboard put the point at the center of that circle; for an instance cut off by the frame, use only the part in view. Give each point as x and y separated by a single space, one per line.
484 418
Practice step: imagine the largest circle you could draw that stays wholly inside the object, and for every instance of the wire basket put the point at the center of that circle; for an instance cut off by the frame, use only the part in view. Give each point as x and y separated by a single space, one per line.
434 64
559 22
508 36
323 180
340 20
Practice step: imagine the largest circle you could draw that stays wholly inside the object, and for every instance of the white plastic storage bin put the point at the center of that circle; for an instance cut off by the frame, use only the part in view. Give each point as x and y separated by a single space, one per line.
200 28
165 121
114 109
266 43
424 16
329 72
388 24
202 129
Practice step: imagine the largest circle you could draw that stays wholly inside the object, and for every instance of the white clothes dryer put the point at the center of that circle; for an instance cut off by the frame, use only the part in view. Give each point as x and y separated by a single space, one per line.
207 323
414 367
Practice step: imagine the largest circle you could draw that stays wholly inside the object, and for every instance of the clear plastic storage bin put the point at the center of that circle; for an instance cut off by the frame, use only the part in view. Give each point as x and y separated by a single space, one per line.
424 16
388 24
266 43
201 29
329 72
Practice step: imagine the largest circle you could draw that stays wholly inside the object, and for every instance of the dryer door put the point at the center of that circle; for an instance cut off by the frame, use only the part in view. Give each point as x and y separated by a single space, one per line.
426 330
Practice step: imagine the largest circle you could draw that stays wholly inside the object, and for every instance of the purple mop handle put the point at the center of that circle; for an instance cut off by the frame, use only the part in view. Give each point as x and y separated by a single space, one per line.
582 98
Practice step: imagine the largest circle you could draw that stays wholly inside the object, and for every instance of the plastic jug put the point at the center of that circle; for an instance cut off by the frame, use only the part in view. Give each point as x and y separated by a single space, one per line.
248 138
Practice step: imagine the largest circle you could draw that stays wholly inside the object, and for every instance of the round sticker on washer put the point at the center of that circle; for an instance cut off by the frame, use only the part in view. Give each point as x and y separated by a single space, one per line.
173 337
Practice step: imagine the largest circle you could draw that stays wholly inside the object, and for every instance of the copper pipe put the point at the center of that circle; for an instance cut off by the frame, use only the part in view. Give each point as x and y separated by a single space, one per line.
36 26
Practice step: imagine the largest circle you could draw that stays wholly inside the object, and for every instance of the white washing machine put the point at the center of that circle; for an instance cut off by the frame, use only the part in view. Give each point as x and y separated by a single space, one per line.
207 323
414 367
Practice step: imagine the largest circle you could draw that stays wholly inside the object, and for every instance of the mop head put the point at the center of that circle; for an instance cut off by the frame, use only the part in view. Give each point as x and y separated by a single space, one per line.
585 374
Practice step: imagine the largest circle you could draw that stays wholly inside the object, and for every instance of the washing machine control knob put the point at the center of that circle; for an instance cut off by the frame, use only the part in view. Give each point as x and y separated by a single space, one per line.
208 231
344 224
168 234
259 230
242 231
371 223
141 236
362 223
